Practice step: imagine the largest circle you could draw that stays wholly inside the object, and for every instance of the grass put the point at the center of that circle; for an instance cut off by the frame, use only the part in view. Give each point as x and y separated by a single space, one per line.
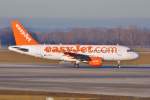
27 95
12 57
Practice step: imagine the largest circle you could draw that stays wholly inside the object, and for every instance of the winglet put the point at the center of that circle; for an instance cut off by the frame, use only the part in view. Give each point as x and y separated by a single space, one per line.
22 37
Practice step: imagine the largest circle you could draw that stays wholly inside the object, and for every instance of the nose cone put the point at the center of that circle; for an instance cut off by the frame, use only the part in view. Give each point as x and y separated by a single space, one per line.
134 55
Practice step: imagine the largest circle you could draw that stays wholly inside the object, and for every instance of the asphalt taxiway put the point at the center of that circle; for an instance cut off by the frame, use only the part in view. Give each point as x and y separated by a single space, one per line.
126 81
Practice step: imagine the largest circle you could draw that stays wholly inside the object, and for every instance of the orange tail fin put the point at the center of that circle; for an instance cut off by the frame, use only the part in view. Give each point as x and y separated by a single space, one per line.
22 37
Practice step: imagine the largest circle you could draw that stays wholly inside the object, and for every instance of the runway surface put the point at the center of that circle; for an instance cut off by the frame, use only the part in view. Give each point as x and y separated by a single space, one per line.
127 81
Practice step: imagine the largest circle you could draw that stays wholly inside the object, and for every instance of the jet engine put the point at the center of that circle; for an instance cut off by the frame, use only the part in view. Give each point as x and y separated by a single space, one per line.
95 61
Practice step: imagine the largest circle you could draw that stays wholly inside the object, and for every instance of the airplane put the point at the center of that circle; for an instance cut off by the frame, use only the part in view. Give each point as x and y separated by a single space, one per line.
94 55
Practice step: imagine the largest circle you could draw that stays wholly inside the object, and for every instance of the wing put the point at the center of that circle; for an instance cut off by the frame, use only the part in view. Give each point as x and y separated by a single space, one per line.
77 56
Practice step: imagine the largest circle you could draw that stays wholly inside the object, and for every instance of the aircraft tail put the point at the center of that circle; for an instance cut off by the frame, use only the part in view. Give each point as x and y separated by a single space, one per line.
21 35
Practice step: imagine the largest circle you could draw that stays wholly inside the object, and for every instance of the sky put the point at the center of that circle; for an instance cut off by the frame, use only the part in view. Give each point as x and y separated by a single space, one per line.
75 9
75 13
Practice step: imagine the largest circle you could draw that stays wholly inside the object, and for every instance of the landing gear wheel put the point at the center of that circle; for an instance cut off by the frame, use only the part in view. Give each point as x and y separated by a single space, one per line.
76 65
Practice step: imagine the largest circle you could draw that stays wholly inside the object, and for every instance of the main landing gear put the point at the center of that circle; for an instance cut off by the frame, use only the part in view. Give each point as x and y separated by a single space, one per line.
76 64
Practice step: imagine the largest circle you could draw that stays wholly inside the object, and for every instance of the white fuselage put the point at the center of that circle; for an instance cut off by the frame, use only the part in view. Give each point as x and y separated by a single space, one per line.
56 52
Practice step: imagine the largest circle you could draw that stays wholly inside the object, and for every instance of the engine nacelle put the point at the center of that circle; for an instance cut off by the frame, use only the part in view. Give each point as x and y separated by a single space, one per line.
95 61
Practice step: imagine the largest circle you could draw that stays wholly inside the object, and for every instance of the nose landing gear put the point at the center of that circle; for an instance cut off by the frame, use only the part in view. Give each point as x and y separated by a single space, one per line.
118 64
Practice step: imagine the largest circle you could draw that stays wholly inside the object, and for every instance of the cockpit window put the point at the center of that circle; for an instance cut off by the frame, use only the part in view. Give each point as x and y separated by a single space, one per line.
129 50
22 49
